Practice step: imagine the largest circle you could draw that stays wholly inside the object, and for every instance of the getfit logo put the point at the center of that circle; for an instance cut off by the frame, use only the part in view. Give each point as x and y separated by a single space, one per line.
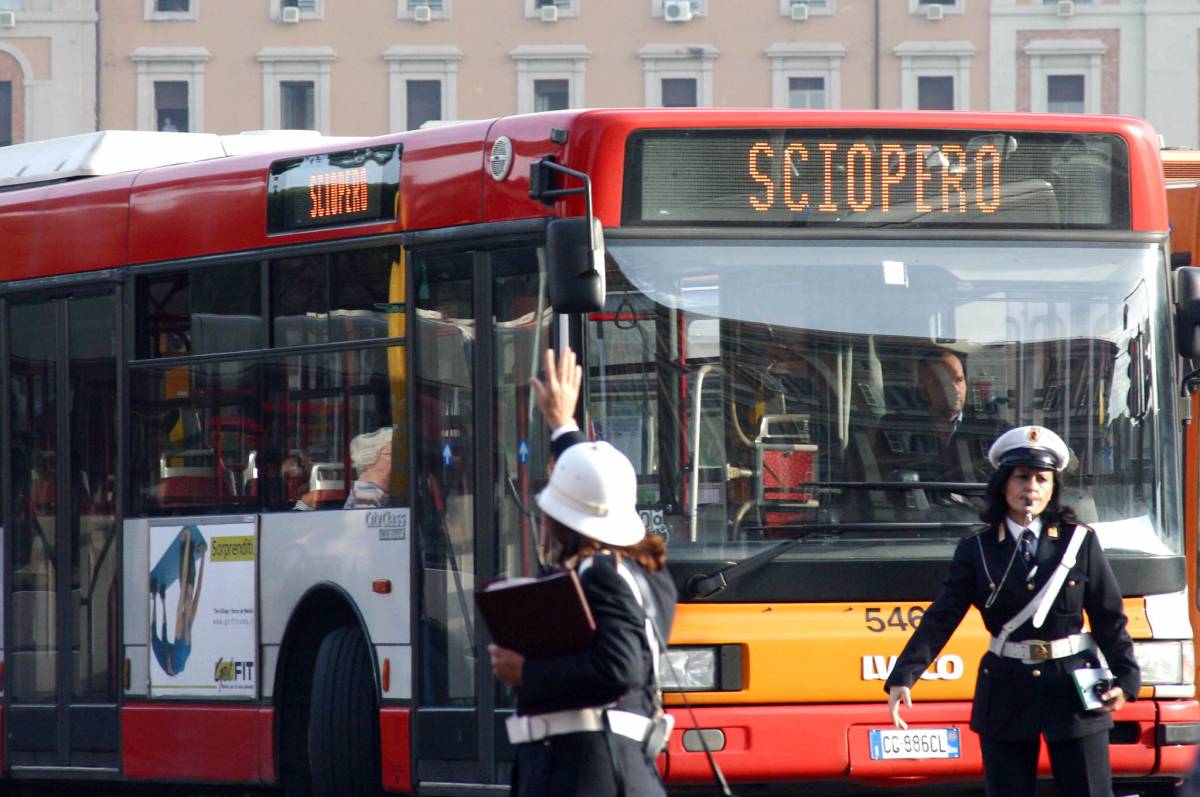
228 671
944 668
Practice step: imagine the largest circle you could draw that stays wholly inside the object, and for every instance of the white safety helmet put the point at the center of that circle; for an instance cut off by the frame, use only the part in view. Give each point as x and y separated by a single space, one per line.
593 491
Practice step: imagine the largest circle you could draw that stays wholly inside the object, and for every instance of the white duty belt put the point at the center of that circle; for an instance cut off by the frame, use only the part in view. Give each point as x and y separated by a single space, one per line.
535 727
1034 651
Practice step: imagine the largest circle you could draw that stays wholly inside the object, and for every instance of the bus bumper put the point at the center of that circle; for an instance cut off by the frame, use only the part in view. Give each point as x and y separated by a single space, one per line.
765 744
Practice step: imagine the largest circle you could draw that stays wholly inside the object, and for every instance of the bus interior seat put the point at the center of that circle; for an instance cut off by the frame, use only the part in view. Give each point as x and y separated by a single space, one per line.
327 484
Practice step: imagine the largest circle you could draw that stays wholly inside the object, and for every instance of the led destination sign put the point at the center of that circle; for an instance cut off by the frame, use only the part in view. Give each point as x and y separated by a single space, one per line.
880 178
332 189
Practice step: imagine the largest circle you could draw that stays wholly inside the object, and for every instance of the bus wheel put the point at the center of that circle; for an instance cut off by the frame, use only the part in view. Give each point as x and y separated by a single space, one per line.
343 732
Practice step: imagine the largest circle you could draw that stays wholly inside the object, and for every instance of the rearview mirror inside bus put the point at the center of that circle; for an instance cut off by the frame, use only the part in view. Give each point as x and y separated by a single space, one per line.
1187 311
575 265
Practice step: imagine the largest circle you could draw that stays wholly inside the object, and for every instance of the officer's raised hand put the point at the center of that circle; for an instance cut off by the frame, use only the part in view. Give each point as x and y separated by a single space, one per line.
895 695
557 396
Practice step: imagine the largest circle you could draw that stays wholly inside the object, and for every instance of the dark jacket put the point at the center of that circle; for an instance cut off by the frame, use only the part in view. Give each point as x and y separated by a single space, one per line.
615 668
1016 701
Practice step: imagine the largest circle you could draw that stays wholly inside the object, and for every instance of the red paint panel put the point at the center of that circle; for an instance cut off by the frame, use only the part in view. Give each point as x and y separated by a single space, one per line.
55 230
795 743
1177 759
197 743
266 745
395 738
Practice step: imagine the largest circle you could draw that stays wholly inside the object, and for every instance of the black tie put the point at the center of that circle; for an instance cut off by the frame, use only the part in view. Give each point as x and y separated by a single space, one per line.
1028 545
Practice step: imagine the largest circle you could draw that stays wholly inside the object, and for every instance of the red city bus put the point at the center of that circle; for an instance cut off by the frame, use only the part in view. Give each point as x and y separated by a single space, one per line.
202 350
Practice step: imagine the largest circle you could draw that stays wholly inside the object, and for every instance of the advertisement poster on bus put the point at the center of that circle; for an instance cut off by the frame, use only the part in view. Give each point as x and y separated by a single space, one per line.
203 624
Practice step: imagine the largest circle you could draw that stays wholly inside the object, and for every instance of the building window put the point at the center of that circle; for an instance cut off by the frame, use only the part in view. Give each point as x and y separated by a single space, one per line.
411 71
6 113
558 67
423 102
669 62
567 9
937 73
1064 93
679 92
296 105
807 68
806 92
170 83
165 9
948 6
1078 62
551 95
815 7
935 93
171 106
10 5
438 9
309 9
296 87
699 8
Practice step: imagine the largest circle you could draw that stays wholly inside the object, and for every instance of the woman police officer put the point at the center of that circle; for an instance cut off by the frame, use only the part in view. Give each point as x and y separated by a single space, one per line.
586 722
1025 688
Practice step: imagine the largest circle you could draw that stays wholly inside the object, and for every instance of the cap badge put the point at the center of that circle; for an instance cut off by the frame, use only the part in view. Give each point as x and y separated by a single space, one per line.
1033 434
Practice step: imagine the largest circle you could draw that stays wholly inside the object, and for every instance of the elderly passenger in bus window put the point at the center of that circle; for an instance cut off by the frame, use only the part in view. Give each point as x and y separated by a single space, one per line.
371 455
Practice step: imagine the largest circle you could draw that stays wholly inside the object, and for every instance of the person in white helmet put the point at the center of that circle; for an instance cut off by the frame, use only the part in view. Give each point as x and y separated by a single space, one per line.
591 723
1031 551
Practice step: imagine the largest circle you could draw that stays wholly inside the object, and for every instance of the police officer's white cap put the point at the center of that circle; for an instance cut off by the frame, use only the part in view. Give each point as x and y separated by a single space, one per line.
1034 446
593 490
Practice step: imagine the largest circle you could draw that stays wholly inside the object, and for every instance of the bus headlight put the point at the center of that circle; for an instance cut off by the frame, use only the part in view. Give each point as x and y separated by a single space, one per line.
1165 662
715 668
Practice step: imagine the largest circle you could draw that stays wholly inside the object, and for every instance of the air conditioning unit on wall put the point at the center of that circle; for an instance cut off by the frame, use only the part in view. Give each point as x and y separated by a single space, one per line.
549 13
677 10
799 11
935 11
422 13
289 14
1066 8
8 19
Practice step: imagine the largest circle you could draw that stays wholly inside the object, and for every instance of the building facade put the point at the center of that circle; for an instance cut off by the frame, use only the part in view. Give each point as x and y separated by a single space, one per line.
360 68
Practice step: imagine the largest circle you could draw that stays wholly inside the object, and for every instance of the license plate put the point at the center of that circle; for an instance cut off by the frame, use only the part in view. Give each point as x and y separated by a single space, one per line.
914 743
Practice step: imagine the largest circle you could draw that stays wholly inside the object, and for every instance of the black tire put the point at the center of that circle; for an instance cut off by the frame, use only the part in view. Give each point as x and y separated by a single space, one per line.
343 731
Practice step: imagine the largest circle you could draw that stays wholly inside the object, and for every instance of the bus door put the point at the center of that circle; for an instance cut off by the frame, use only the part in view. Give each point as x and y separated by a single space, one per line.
60 678
481 452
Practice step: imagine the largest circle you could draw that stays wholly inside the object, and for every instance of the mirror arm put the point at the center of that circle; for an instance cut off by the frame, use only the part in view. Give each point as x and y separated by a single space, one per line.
540 180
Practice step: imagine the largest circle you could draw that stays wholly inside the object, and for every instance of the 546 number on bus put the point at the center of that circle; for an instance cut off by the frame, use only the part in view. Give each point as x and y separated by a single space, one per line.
899 617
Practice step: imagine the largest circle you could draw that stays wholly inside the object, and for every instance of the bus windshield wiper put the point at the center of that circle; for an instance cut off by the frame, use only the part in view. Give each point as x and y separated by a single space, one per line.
705 585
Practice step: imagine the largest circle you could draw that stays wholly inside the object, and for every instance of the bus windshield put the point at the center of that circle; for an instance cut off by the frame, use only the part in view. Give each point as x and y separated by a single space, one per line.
846 392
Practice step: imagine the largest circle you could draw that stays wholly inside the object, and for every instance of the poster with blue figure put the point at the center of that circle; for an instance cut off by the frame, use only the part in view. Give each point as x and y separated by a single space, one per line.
181 566
202 608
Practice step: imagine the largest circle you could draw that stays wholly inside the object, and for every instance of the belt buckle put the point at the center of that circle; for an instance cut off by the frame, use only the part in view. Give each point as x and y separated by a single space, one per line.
1039 651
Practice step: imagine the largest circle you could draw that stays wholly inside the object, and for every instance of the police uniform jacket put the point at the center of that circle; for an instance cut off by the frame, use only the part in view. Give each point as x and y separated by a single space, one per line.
616 669
1016 701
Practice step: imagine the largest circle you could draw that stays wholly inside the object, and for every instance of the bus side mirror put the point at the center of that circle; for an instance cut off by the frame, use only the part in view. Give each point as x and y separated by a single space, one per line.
575 265
1187 311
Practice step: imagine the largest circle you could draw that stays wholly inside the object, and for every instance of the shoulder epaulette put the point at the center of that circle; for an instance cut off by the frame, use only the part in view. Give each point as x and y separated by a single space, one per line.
975 532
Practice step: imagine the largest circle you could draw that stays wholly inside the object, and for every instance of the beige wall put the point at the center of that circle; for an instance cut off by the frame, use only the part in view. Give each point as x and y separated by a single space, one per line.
486 31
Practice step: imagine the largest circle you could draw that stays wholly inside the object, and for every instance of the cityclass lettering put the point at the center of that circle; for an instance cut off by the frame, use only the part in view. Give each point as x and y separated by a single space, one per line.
227 670
859 178
337 193
944 668
392 524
